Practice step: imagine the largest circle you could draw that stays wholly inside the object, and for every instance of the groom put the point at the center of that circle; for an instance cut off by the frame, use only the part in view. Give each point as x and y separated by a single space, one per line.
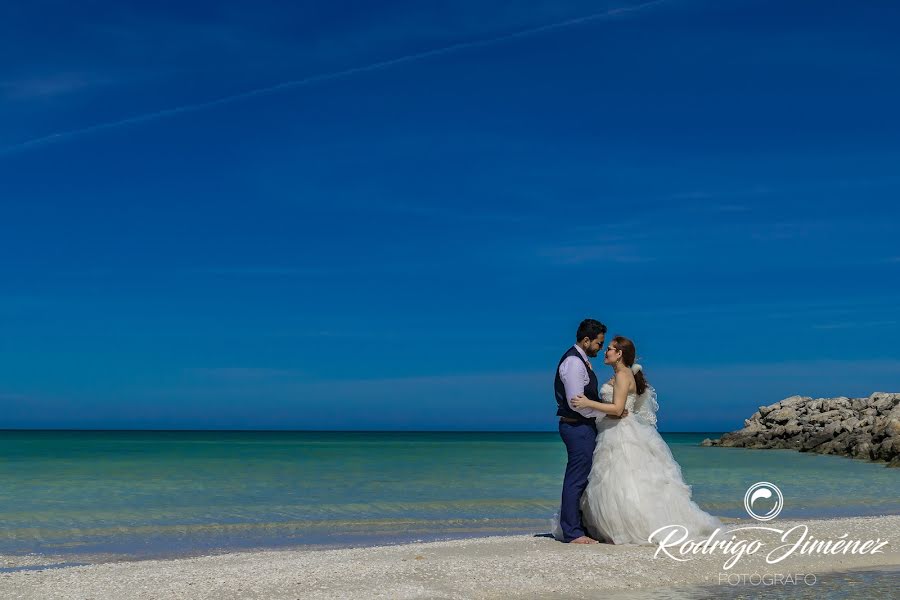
574 376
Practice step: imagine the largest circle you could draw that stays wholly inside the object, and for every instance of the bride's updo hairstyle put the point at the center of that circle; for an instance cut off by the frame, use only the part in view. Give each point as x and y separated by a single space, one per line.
626 346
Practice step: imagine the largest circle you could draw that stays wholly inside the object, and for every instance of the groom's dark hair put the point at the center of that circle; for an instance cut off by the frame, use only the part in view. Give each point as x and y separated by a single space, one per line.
589 328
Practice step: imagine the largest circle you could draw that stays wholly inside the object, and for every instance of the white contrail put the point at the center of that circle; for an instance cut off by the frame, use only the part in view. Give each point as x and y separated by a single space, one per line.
65 135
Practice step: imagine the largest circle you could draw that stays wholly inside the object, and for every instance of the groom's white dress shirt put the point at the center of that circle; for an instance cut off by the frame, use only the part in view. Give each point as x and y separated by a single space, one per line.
574 375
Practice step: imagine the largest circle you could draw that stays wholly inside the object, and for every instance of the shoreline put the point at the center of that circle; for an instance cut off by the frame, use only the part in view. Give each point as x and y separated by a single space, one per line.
519 566
11 561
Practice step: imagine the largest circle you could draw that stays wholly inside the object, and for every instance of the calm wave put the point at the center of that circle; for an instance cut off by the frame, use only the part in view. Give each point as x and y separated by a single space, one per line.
170 492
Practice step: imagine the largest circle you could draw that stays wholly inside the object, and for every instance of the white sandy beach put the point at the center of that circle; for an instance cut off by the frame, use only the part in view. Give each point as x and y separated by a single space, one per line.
493 567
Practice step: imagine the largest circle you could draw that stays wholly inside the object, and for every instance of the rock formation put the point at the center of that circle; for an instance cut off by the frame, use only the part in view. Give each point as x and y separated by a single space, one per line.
867 428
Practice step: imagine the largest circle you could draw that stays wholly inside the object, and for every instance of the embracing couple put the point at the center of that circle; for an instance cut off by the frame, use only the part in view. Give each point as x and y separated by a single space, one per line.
622 482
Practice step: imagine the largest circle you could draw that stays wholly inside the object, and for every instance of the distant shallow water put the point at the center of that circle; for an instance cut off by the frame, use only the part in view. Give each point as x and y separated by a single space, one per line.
165 493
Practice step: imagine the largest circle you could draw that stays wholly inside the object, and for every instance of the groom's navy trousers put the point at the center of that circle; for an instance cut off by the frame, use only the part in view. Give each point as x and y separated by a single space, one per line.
579 439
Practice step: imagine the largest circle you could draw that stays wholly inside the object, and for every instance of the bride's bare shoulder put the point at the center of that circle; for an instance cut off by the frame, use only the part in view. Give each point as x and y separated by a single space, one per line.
623 375
626 377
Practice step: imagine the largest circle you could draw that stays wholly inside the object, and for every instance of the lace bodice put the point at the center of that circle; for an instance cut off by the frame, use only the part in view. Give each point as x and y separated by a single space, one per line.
642 407
606 394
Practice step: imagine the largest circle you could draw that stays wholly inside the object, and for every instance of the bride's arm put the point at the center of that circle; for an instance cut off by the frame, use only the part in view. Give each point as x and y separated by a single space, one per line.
620 393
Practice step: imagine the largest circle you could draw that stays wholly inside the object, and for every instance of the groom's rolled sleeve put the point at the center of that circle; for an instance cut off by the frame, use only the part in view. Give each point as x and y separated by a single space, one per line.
574 377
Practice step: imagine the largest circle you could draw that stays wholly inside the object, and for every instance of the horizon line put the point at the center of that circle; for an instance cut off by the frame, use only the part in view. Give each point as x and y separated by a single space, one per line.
3 429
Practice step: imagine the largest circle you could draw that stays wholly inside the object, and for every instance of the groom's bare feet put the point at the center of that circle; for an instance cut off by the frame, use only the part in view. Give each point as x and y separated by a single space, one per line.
584 540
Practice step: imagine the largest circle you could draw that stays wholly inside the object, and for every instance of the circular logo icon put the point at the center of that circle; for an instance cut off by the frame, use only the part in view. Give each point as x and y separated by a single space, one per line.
763 490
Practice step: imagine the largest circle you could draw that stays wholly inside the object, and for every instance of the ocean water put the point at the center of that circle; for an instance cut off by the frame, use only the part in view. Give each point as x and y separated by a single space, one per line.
169 493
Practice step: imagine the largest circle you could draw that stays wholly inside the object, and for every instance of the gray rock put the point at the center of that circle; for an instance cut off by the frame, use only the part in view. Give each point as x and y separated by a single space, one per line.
837 403
793 428
782 444
892 422
833 428
839 445
754 427
885 426
782 415
862 450
859 404
732 440
793 443
795 401
884 402
738 443
850 424
825 417
887 449
817 439
864 428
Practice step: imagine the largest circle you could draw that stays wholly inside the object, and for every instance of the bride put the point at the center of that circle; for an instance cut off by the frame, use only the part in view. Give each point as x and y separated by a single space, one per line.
635 486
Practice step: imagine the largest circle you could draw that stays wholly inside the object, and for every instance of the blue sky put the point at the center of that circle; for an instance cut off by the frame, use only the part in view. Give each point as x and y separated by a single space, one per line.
393 215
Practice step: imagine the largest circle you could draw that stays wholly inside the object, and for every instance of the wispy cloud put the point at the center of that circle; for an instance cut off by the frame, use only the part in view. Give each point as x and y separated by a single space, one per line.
457 213
45 87
241 381
261 270
694 195
740 196
708 203
856 324
771 232
730 208
743 192
799 370
244 373
578 254
788 309
297 83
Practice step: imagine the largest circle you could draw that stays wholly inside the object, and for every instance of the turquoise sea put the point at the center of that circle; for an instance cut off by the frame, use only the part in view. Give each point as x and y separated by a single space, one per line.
164 493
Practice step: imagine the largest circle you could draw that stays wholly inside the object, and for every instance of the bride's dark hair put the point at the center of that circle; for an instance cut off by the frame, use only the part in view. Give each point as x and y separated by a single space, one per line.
626 346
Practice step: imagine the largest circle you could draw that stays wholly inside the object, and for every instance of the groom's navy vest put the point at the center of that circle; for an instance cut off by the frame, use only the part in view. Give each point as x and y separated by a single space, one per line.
590 390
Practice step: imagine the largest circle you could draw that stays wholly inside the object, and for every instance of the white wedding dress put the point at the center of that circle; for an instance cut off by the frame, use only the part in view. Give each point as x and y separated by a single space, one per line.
635 486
